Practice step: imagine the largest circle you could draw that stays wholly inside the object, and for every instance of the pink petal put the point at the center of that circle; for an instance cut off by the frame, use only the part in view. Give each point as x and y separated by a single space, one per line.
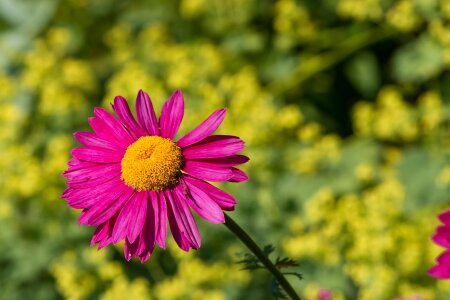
104 210
91 140
150 229
141 246
442 236
206 172
130 249
131 218
115 128
105 242
227 161
103 234
214 146
223 199
92 182
67 192
444 258
184 217
203 130
445 217
84 198
440 272
73 163
171 115
104 132
76 164
136 248
136 224
161 211
145 256
96 155
126 251
93 177
181 240
146 114
100 233
202 204
93 171
238 175
81 193
123 112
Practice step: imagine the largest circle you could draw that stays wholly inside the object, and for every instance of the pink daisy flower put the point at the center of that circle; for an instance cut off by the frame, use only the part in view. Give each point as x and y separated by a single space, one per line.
324 294
131 177
442 238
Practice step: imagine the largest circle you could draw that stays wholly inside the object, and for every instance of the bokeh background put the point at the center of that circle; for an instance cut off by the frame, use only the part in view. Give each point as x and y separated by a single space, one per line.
344 105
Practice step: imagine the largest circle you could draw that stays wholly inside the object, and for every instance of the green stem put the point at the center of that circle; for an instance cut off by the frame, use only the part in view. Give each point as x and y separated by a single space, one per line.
252 246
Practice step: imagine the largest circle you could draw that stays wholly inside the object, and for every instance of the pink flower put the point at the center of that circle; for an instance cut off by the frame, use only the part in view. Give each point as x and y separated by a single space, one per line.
131 177
414 297
442 238
324 294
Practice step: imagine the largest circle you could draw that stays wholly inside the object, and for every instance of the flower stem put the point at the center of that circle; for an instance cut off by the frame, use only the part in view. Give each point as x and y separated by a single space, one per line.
252 246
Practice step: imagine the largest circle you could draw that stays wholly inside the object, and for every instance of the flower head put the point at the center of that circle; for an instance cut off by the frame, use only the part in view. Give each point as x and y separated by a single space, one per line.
131 176
442 238
324 294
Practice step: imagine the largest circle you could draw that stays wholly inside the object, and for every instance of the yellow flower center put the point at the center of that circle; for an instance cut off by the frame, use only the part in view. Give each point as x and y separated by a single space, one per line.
151 163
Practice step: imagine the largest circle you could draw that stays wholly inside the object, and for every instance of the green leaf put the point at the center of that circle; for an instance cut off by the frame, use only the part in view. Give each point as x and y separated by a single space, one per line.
419 60
363 72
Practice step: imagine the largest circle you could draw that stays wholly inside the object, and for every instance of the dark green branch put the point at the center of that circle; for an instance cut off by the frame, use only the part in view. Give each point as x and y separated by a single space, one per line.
252 246
313 64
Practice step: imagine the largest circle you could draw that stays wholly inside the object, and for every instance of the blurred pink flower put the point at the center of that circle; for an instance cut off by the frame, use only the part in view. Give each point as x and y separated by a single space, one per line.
131 177
415 297
442 238
324 294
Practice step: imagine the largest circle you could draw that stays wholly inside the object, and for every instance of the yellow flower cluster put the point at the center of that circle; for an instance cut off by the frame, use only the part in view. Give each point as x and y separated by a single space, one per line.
292 23
316 151
401 15
357 228
368 233
361 10
196 279
392 118
99 275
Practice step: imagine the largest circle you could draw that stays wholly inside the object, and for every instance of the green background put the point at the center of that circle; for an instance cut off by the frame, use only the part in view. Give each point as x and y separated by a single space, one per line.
343 104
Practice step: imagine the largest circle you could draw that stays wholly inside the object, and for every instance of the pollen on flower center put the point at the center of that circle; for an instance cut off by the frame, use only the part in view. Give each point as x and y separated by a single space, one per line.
151 163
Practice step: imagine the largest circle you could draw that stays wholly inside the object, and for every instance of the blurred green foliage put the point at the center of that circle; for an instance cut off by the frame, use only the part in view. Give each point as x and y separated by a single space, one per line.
344 105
